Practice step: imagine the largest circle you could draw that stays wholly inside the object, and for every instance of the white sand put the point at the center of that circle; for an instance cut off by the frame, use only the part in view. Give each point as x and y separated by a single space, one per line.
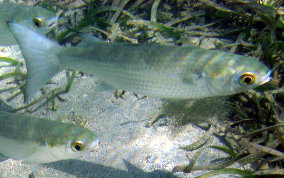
128 148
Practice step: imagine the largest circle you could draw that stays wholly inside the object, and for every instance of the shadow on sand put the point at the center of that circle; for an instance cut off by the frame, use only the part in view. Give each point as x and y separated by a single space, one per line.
86 169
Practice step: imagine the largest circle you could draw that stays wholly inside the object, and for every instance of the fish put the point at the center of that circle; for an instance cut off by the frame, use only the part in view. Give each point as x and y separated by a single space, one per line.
154 70
36 140
39 19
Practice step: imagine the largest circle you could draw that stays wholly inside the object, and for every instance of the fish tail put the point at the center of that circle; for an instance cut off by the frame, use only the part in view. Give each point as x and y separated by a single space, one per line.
40 55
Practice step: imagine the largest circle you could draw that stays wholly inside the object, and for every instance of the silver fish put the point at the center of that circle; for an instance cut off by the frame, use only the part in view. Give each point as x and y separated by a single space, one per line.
39 19
36 140
149 69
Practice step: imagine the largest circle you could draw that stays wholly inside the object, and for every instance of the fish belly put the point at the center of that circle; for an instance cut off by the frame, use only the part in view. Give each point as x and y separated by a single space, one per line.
153 82
18 149
152 70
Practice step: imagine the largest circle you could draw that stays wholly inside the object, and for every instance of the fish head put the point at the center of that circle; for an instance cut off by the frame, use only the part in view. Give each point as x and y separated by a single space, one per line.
77 142
40 20
244 73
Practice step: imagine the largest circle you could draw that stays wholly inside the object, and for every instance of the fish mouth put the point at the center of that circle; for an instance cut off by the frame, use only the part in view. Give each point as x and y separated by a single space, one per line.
266 78
52 22
94 145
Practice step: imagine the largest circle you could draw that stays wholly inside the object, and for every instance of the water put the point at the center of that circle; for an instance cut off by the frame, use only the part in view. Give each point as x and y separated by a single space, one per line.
128 148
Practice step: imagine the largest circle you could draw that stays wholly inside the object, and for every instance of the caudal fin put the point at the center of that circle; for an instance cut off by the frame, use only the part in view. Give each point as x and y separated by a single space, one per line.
40 55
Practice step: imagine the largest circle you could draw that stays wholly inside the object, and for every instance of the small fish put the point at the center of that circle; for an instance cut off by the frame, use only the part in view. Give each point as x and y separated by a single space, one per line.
39 19
149 69
37 141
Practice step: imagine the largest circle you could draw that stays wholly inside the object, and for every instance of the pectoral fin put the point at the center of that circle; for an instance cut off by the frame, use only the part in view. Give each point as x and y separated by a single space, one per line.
192 78
87 40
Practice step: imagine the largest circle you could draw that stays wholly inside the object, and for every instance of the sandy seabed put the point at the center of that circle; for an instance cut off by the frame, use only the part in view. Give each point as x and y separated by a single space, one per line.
127 147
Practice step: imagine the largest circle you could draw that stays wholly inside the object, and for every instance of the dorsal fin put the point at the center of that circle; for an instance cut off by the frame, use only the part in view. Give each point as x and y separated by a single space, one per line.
87 40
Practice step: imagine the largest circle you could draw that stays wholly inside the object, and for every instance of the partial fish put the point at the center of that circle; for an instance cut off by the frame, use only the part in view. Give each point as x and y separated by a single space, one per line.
149 69
36 140
38 19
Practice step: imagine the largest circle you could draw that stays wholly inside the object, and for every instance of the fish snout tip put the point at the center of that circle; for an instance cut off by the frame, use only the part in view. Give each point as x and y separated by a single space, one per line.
266 78
52 22
94 145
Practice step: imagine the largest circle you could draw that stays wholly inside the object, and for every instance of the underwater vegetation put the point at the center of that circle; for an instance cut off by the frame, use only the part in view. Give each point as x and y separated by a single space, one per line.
253 132
147 69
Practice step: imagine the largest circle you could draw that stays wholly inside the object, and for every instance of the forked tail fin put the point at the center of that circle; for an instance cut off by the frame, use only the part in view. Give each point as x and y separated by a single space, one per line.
40 54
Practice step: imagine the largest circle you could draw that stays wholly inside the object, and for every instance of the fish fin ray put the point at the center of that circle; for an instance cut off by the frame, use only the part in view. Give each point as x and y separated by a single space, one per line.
40 54
3 157
87 40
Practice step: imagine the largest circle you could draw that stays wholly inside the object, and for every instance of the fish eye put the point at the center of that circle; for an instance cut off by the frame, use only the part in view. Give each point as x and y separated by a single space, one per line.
37 22
77 146
247 78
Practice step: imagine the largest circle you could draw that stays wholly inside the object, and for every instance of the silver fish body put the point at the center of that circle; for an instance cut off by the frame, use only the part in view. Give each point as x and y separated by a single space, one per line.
39 19
149 69
163 71
36 140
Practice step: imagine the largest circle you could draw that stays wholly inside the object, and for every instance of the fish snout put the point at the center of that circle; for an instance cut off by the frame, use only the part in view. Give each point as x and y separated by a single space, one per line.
94 145
266 78
52 22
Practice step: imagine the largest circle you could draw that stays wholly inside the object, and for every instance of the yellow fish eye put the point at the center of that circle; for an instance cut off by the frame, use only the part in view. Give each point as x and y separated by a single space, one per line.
77 146
247 78
37 22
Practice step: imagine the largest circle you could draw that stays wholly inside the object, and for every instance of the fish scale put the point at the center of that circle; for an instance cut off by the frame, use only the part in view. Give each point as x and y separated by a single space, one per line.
36 140
151 84
154 70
